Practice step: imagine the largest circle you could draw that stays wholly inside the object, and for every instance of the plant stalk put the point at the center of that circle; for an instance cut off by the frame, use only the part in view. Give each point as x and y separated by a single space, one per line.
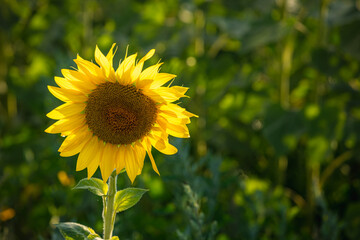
109 216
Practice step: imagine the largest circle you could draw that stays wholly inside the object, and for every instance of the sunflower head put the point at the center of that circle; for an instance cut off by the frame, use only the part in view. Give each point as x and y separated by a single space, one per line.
112 118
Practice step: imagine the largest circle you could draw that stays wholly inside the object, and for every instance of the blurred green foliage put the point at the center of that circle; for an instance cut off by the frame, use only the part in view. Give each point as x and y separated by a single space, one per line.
274 154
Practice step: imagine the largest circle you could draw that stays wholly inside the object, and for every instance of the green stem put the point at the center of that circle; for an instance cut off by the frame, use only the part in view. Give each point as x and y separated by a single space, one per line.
109 216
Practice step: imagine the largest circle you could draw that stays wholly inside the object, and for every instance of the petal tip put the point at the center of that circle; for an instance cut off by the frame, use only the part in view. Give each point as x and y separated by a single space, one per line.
48 130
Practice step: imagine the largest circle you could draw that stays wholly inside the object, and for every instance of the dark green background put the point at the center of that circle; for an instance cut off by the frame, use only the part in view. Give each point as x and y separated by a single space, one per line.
273 155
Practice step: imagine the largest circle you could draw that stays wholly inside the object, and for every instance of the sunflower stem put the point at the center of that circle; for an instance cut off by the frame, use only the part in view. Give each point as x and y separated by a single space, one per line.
109 213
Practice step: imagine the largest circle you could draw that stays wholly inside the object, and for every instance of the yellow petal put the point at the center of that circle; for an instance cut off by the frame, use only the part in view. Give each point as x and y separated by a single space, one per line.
74 143
87 154
137 70
178 134
169 94
92 71
146 83
66 95
153 164
180 112
154 96
78 79
151 72
147 145
149 55
74 75
120 159
72 84
111 54
71 139
140 156
172 107
67 124
181 90
131 165
156 142
157 128
123 73
169 150
108 163
94 163
189 114
161 79
176 130
174 120
66 110
64 83
105 65
161 143
168 112
129 62
101 59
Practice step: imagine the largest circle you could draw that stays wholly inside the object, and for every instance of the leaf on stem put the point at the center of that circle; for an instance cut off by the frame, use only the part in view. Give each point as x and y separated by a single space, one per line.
94 185
76 231
126 198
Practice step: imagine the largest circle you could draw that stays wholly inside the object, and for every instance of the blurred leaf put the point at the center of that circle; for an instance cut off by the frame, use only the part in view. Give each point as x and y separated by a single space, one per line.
94 185
316 149
352 218
234 27
283 128
126 198
321 60
263 33
76 231
350 39
253 34
343 12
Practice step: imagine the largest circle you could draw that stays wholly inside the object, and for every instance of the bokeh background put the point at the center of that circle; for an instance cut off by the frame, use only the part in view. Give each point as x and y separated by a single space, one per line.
273 155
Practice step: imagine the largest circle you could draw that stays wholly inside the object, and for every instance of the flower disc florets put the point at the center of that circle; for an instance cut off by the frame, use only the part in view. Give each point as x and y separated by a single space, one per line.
119 114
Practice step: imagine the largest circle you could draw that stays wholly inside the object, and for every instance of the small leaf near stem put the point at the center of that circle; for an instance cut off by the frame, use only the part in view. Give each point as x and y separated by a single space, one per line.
127 198
94 185
75 231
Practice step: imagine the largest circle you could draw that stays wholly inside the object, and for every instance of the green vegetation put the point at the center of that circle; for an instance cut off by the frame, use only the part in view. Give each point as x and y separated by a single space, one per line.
273 155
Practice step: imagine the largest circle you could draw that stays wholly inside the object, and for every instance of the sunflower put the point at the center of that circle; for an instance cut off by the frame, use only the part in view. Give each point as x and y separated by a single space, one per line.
113 118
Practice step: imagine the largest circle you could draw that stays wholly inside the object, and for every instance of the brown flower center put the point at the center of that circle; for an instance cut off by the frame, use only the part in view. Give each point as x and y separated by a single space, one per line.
119 114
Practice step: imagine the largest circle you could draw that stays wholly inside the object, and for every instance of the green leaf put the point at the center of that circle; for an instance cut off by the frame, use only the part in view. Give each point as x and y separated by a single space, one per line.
125 199
76 231
94 185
